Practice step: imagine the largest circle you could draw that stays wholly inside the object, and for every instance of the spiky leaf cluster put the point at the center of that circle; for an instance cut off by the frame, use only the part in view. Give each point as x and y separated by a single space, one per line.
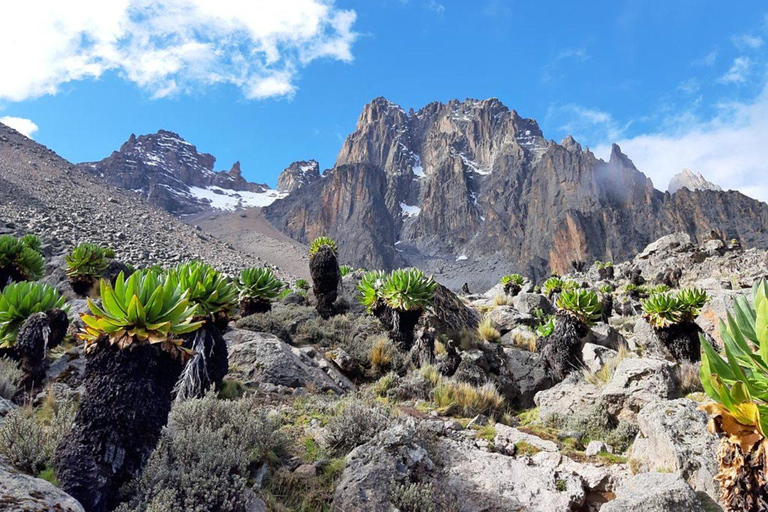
582 304
323 241
738 382
20 300
147 308
546 328
207 288
32 241
603 264
406 289
345 269
605 289
556 285
259 283
665 309
514 279
25 260
88 259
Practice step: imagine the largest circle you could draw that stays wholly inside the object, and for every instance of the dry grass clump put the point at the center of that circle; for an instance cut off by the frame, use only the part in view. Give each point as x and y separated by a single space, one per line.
10 378
604 375
454 397
688 373
487 331
523 342
500 300
382 353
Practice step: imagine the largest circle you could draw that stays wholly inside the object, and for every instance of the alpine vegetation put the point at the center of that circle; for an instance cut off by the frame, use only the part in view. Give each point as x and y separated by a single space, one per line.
326 275
20 259
86 264
672 318
133 341
258 286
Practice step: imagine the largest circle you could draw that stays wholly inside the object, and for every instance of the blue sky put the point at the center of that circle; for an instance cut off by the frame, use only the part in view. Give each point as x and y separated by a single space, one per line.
677 84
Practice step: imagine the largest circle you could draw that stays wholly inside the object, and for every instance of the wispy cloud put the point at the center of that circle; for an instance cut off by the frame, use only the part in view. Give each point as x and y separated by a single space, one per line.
550 70
690 86
747 41
169 46
22 125
707 60
728 149
738 72
586 123
434 6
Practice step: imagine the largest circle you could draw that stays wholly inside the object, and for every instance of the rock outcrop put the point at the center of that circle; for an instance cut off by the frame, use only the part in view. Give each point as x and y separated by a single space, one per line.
471 191
297 175
691 181
173 175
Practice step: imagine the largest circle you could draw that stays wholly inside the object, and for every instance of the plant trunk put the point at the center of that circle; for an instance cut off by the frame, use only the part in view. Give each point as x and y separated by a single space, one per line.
512 289
126 403
252 305
400 324
82 285
9 274
743 477
208 366
682 341
607 307
423 351
37 334
324 269
561 351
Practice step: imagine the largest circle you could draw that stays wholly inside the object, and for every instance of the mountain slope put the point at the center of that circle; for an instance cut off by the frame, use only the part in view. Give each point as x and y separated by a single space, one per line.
471 190
171 174
42 193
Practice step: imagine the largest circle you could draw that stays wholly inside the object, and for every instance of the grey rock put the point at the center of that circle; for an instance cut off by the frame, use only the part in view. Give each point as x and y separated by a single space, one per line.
506 318
654 492
566 398
595 356
675 242
673 437
506 436
261 358
638 382
529 376
595 447
606 336
526 303
23 493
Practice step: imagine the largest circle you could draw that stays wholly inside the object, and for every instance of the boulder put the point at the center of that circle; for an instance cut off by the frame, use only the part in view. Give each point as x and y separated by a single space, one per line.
507 437
676 242
654 492
527 373
449 315
606 336
595 356
673 437
638 382
506 318
566 398
264 359
527 303
23 493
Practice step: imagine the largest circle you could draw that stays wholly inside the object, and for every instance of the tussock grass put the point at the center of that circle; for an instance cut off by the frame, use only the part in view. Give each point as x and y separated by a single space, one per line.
381 354
487 331
688 373
500 300
452 397
604 375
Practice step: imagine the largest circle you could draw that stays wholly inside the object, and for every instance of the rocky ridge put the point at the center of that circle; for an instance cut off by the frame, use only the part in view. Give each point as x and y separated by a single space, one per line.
172 174
690 180
471 191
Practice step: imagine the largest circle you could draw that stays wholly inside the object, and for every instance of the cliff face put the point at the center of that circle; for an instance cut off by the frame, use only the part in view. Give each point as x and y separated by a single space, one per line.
170 172
473 189
297 175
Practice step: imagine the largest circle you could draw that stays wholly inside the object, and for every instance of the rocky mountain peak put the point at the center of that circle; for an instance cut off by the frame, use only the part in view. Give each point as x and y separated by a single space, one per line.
174 175
690 180
297 175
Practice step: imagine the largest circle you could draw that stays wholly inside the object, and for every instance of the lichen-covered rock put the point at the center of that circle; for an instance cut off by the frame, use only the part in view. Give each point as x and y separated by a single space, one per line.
674 437
525 369
261 358
638 382
506 318
654 492
528 303
595 356
23 493
566 398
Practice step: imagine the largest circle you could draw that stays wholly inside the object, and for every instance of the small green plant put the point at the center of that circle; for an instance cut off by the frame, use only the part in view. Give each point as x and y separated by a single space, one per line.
661 310
206 288
659 288
552 285
88 260
408 289
302 284
323 241
546 328
19 261
690 301
605 289
370 287
259 283
146 308
345 269
601 265
32 241
583 304
18 301
514 279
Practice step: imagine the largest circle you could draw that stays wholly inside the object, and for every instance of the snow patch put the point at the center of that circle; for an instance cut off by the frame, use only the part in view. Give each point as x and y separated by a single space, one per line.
461 257
230 200
409 211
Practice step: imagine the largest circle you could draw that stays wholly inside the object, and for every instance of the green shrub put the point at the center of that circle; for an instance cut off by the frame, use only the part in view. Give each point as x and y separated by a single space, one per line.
19 258
207 457
32 241
88 260
413 497
323 241
20 300
356 422
514 279
302 284
402 290
259 283
10 378
345 269
582 304
206 288
665 309
146 308
282 321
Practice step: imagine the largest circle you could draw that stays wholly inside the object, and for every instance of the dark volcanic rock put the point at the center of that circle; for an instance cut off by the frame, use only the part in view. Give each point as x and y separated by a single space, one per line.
472 191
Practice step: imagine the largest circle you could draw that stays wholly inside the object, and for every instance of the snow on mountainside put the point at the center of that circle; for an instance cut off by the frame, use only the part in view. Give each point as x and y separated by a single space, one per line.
691 181
171 173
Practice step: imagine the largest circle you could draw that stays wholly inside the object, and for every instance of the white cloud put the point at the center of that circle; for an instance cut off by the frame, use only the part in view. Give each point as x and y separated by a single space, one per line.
436 7
729 150
169 46
24 126
745 41
707 60
738 72
585 123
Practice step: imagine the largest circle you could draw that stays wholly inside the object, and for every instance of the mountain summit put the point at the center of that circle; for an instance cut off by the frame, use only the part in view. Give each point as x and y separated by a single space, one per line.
172 174
690 180
471 188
